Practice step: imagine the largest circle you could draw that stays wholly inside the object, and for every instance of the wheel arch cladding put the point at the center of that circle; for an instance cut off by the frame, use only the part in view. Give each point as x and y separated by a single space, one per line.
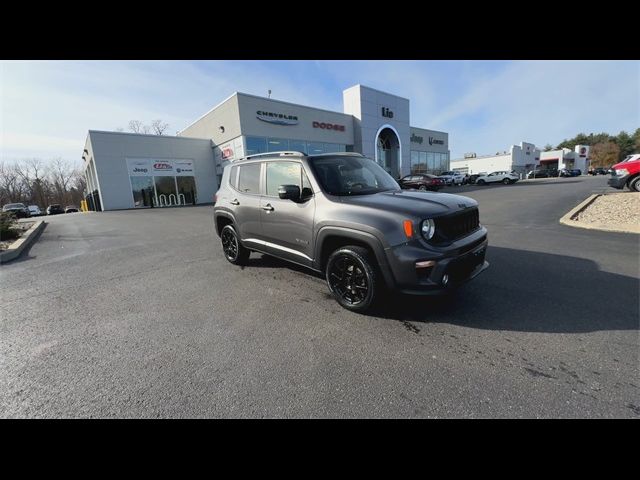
331 238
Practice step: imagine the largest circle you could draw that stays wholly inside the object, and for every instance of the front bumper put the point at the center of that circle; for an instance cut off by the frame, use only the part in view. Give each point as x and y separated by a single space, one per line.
618 182
455 264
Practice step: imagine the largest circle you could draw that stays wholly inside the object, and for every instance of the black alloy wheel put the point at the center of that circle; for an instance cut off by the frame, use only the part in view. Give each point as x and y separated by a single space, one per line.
506 181
352 278
234 252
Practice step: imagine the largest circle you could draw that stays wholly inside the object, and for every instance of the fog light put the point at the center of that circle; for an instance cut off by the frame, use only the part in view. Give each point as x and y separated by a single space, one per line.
445 279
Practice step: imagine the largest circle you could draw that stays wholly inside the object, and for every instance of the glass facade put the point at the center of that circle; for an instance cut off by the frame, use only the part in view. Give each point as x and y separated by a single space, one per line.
143 191
165 191
264 145
429 162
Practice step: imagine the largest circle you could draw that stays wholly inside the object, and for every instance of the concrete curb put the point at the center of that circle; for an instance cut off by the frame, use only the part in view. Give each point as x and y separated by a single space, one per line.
568 219
22 243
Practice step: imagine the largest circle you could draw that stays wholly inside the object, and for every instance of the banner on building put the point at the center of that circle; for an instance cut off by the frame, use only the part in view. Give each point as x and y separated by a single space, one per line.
150 167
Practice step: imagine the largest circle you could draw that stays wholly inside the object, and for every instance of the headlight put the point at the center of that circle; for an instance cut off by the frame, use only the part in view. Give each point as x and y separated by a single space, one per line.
622 172
428 228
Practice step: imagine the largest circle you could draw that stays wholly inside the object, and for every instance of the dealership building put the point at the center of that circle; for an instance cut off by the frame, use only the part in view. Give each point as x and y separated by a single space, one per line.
522 159
126 170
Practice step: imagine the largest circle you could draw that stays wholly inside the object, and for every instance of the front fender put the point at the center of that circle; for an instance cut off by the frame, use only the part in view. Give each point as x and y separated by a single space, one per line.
359 236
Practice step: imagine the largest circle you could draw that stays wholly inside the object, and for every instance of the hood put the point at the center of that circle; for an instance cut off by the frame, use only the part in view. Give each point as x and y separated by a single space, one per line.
412 203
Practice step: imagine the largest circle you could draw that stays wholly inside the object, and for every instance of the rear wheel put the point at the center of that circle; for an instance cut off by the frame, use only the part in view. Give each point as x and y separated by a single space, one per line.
634 184
352 278
234 252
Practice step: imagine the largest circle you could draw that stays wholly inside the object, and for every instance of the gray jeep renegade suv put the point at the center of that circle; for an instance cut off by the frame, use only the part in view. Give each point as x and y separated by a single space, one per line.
343 215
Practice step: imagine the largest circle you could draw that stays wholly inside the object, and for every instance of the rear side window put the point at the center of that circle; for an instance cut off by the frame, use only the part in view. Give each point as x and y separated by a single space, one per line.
233 177
249 180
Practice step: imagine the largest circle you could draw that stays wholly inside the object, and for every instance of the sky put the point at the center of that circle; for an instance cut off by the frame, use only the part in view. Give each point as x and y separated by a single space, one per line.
47 107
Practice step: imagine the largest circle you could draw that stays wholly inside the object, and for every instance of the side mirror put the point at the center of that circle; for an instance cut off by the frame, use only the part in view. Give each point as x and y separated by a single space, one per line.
289 192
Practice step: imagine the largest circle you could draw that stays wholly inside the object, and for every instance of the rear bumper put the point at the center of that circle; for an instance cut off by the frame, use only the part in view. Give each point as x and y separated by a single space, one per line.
457 264
618 182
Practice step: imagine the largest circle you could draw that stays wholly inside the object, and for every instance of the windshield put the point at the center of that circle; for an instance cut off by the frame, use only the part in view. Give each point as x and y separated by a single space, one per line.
351 175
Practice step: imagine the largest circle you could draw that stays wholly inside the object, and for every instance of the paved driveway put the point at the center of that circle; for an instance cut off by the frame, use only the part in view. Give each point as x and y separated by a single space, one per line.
136 313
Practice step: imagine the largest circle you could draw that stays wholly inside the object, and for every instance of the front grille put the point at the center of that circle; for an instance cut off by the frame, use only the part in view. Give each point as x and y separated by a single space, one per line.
455 226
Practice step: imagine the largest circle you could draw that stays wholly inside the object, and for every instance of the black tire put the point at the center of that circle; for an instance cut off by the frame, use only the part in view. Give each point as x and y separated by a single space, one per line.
233 250
506 181
634 184
480 182
423 188
352 278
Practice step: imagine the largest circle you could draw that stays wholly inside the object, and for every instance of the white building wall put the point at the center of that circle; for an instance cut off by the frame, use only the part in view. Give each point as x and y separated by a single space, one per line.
486 164
111 149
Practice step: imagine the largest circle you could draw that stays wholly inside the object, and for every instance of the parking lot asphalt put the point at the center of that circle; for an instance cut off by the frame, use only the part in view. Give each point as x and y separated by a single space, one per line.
137 314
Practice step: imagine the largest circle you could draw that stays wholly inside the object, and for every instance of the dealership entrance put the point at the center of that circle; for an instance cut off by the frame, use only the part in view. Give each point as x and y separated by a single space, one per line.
388 151
163 191
162 183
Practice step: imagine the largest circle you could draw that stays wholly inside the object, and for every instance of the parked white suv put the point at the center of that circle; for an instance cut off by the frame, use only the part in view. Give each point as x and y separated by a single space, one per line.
452 178
498 177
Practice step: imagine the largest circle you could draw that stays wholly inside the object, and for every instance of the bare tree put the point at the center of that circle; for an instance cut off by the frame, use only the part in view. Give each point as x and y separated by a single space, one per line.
11 184
61 173
159 127
136 126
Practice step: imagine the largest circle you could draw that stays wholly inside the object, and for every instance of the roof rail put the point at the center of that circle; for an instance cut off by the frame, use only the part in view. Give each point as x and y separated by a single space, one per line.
275 154
350 154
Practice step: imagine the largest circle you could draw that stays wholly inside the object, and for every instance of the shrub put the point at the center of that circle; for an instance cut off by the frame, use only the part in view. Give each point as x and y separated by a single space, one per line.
7 221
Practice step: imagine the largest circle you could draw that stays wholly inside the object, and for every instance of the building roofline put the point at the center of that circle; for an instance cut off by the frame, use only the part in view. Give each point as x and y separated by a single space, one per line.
208 112
428 129
144 135
294 104
237 94
375 90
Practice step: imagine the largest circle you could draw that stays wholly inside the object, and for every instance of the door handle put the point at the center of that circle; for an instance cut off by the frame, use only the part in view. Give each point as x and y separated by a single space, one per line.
268 207
234 202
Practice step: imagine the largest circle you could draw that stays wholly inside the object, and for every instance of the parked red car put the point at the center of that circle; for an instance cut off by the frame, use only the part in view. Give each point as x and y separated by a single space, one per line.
626 174
422 181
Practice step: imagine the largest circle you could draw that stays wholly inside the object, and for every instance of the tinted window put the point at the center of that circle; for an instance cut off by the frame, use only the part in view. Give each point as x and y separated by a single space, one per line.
256 145
233 177
249 181
281 173
277 145
351 175
298 145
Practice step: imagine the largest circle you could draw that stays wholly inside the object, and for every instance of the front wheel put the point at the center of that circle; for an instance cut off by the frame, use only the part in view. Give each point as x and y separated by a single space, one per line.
481 182
506 181
634 184
234 252
351 277
423 188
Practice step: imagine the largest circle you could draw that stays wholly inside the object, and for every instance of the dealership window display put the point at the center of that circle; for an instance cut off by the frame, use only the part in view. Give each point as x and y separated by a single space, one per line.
257 145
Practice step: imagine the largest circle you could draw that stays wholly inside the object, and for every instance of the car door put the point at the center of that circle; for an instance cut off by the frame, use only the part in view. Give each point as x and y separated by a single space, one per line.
407 182
287 225
245 202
